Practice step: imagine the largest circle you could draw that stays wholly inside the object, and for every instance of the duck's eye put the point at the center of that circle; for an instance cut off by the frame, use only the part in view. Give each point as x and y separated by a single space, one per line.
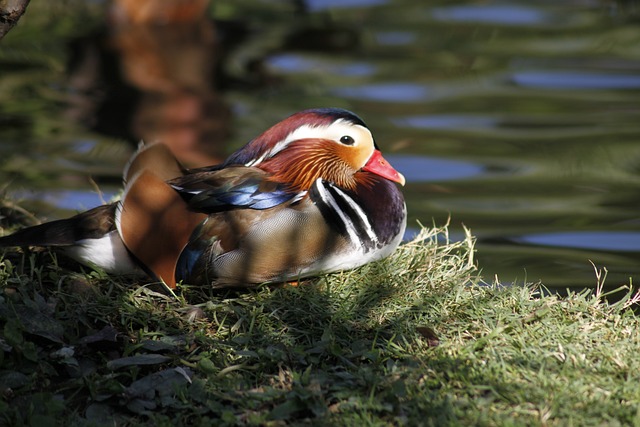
347 140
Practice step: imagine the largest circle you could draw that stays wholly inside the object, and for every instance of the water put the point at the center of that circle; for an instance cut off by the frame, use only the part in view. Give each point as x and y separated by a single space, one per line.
520 120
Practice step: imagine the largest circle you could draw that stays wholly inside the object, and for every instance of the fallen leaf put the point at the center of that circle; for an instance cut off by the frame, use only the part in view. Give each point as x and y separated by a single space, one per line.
429 334
158 388
141 359
108 333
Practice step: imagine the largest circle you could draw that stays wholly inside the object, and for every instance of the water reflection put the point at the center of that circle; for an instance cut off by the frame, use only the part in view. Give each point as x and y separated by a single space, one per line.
503 14
395 38
575 80
319 5
390 92
503 126
599 240
68 199
424 169
449 121
296 63
151 76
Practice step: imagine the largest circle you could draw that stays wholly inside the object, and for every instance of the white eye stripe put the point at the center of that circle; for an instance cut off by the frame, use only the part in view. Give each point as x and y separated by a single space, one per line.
333 131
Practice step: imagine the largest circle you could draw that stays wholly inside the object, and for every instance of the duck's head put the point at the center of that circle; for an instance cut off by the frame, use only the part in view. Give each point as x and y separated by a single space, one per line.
328 143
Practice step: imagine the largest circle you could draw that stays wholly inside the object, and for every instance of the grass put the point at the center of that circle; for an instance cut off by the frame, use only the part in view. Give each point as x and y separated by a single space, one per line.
417 339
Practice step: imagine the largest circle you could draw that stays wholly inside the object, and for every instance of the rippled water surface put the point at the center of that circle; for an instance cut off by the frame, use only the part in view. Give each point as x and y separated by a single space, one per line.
520 120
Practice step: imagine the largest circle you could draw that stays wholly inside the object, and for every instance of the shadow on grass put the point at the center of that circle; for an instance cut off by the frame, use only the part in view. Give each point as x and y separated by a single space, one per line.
353 347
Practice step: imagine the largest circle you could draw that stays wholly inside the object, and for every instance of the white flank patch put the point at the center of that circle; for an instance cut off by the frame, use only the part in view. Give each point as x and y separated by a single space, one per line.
107 253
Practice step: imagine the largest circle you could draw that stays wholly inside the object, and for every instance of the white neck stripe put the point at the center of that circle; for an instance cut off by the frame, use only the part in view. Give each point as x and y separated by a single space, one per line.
358 210
328 199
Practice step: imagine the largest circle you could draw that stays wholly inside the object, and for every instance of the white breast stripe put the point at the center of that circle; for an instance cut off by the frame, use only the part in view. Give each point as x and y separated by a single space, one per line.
328 199
363 217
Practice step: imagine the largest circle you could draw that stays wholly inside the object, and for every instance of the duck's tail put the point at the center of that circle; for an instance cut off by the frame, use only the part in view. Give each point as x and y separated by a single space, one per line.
91 224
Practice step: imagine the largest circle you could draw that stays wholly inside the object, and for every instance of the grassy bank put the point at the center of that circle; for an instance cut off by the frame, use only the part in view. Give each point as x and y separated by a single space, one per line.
415 339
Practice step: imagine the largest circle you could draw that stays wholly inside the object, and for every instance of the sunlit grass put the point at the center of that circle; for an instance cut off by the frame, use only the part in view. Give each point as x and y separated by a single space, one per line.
414 339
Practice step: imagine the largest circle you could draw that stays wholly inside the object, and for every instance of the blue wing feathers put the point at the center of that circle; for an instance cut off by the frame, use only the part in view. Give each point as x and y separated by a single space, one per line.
217 191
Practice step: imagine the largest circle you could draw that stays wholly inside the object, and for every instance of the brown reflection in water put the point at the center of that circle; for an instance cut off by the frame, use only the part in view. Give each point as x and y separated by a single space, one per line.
151 76
154 72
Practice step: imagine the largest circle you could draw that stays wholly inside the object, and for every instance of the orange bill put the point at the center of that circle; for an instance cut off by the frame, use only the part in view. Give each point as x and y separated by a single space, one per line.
378 165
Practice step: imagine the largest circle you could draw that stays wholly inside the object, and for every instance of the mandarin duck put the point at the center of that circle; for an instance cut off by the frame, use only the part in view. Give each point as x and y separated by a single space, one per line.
310 195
